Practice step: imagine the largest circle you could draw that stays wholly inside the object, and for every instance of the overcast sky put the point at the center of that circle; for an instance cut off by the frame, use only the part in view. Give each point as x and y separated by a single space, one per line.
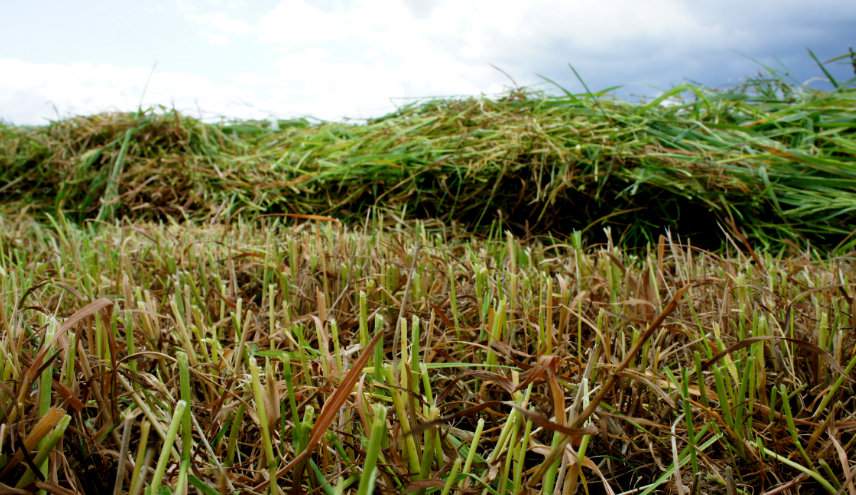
336 59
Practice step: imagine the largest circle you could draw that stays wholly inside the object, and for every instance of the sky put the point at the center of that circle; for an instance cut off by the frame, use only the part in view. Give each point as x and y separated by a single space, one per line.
337 59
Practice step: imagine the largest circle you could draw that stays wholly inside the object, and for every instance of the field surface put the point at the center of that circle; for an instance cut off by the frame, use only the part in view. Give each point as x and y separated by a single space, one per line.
534 294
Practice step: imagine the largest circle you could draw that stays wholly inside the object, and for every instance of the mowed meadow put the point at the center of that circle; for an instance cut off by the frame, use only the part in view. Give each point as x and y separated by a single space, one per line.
531 294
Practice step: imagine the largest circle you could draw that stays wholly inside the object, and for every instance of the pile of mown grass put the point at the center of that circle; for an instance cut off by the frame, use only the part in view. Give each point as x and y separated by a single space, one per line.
776 160
225 357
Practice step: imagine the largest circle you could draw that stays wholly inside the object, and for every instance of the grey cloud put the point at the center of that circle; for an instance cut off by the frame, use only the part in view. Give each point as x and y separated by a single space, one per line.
744 39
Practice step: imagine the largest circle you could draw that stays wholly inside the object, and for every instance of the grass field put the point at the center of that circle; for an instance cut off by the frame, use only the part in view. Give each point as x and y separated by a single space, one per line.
537 294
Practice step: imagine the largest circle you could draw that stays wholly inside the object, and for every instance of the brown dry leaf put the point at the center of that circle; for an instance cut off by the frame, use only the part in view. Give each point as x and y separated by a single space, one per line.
654 383
69 396
33 370
546 371
419 428
746 342
39 430
539 372
329 410
272 398
502 381
558 397
693 390
308 216
575 434
593 467
845 463
580 419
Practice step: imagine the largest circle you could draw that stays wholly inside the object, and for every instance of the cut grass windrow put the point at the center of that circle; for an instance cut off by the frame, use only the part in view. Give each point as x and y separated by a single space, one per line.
768 159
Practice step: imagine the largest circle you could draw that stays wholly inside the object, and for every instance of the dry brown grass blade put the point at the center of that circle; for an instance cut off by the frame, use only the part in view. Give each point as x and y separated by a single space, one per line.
580 419
762 338
68 396
11 490
53 488
738 233
329 410
88 310
109 381
574 434
845 462
497 379
39 430
33 370
460 414
307 216
545 370
631 355
783 488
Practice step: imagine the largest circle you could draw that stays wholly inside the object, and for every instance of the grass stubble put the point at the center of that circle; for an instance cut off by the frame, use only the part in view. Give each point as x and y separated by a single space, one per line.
182 310
321 358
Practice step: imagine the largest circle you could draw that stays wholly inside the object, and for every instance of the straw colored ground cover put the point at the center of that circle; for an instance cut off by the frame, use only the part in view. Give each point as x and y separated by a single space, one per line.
258 357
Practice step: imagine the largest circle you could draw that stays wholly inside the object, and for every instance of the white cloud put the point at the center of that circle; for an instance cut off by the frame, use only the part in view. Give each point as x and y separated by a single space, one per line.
483 30
38 92
335 58
218 22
